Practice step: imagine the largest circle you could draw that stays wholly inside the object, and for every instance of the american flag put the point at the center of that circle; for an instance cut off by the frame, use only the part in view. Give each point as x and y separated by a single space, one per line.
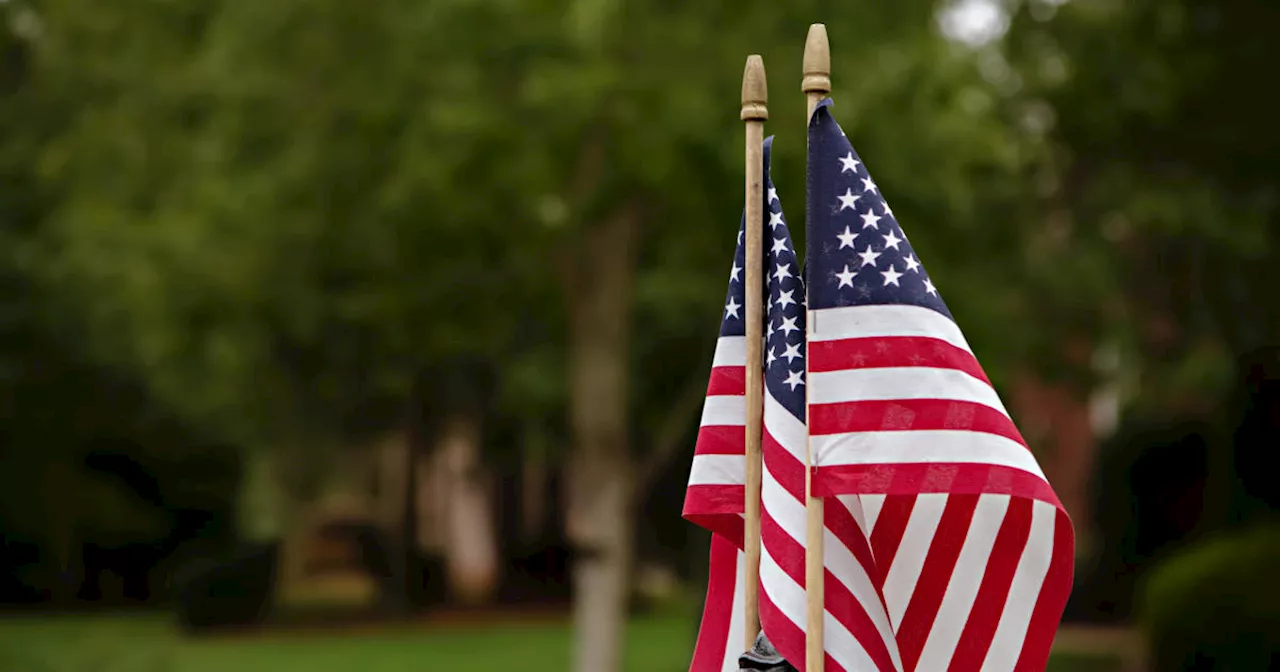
968 544
715 495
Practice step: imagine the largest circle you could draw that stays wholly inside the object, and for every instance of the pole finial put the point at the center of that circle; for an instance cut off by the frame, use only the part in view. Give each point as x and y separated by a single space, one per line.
817 61
755 90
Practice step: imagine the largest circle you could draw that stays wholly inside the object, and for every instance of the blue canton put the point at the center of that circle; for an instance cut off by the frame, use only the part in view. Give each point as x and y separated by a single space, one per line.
858 252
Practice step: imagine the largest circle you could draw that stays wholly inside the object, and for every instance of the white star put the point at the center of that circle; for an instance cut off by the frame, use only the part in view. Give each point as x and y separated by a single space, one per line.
888 212
783 272
912 263
891 240
846 238
768 333
792 352
846 278
784 298
739 236
731 308
775 219
891 276
869 220
788 325
769 359
794 379
868 185
780 245
868 257
848 199
733 273
848 163
928 287
773 194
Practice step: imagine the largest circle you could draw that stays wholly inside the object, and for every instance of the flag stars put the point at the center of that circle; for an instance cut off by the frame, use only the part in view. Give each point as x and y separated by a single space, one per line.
775 219
868 185
773 194
848 199
891 276
869 220
788 325
782 273
770 358
846 238
784 299
731 308
868 257
795 379
928 287
780 246
849 164
733 272
792 352
913 264
846 277
891 240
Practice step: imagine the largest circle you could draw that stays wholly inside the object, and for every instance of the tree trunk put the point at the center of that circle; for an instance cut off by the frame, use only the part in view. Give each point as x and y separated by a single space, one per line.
472 554
599 289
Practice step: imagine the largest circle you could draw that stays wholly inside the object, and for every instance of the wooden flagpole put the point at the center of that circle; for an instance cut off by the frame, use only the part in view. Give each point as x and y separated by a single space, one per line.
816 86
755 110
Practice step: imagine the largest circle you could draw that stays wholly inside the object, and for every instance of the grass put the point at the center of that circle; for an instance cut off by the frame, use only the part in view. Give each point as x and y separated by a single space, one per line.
149 644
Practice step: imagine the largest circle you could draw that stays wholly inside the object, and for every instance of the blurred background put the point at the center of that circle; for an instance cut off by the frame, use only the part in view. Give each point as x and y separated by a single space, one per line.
338 335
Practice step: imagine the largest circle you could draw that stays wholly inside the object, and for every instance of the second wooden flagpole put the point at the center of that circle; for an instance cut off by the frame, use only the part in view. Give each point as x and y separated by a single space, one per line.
755 110
816 86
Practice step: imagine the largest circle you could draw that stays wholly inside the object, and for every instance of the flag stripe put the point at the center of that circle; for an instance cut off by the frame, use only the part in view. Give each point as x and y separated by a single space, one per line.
884 352
910 414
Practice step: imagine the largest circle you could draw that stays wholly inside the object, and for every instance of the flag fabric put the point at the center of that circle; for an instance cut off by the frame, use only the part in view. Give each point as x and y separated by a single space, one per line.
858 635
968 545
715 497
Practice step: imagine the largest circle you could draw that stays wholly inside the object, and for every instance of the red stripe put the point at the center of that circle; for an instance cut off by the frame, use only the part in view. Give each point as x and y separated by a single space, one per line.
1052 600
891 351
910 415
727 381
839 600
935 576
721 440
988 606
940 477
717 615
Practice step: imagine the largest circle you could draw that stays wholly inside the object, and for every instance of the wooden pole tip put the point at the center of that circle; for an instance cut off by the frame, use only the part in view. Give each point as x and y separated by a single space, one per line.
817 61
755 90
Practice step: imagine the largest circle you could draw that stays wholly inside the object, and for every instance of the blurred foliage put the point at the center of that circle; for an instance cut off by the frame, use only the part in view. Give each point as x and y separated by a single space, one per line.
1216 606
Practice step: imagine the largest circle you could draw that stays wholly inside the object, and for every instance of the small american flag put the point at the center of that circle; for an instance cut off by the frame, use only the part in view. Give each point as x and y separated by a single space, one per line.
715 498
969 546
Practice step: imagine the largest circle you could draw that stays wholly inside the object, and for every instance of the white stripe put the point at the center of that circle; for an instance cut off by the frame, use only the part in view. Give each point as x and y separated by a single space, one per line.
737 628
789 597
1024 592
785 428
833 324
921 447
725 410
963 585
730 351
906 382
718 470
900 582
871 505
